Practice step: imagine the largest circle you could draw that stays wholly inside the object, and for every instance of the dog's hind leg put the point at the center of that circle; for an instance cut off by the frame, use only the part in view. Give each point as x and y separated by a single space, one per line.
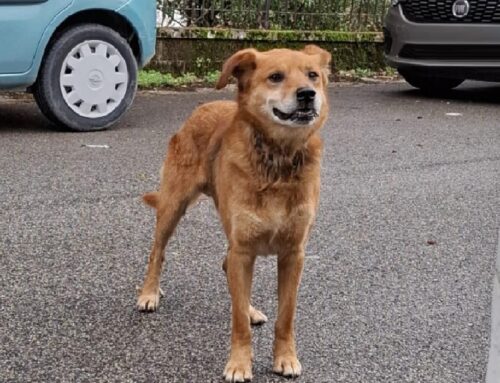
170 210
257 317
180 186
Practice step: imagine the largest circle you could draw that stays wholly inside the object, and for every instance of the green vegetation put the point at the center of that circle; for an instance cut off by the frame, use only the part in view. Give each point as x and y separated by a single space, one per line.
154 79
364 74
211 77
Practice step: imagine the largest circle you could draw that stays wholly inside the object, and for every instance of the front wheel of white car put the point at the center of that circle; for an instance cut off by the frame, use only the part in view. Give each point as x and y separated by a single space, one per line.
88 78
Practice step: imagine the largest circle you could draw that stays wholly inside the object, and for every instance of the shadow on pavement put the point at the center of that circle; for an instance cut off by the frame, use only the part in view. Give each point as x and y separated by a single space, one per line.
22 116
470 91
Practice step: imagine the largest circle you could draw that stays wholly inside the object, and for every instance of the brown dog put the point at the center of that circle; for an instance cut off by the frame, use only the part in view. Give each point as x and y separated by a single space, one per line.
259 158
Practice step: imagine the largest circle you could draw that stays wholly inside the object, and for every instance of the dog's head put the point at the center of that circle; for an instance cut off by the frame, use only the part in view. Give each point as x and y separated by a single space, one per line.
281 88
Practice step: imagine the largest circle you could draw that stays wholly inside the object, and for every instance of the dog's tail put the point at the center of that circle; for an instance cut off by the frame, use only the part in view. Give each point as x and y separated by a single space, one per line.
151 199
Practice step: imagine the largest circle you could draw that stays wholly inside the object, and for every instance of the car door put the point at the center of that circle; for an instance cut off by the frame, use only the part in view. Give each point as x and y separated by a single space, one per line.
22 23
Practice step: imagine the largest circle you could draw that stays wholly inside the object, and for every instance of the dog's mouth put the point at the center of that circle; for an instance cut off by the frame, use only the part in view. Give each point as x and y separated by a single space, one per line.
299 116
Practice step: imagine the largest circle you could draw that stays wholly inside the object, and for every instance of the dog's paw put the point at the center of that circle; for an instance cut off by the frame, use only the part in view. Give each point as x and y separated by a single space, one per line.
238 370
149 301
288 366
257 317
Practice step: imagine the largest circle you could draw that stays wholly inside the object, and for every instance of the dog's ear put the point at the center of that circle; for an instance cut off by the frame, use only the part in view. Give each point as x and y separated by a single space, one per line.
238 65
324 55
325 58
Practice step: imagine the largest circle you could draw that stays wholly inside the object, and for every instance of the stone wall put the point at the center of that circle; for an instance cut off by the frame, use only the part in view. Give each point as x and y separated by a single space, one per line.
202 50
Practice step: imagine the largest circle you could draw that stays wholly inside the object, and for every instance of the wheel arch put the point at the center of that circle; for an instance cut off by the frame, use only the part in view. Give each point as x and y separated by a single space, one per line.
108 13
104 17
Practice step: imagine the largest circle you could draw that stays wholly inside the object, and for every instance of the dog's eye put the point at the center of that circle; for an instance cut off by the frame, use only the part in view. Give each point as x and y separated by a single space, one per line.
313 75
276 77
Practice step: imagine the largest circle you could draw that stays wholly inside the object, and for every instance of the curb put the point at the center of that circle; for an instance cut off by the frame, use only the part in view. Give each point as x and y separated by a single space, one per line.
493 374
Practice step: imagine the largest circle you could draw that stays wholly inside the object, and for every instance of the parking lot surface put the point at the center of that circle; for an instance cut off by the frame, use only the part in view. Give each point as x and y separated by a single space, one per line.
399 269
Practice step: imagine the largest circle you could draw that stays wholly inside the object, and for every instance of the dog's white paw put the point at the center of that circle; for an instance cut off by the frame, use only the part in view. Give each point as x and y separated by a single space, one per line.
148 302
257 317
288 366
238 370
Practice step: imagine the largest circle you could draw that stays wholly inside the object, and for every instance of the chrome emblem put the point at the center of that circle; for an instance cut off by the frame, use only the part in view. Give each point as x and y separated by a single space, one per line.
95 79
460 8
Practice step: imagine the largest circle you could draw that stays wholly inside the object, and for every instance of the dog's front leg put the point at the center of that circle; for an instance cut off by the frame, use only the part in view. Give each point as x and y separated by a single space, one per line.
290 265
239 277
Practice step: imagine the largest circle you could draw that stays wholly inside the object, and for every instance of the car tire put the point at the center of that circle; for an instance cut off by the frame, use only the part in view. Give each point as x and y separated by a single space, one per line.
88 78
429 83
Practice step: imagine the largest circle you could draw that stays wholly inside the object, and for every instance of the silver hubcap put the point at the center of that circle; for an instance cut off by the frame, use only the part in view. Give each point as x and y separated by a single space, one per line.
94 79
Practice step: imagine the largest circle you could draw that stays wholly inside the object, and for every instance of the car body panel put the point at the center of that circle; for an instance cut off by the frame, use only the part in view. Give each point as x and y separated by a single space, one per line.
140 13
21 27
403 32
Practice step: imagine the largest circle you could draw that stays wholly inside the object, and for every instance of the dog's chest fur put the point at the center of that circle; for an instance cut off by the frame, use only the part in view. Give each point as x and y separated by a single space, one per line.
269 228
266 193
277 207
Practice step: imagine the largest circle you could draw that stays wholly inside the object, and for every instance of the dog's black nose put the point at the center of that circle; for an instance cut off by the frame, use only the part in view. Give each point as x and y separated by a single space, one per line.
305 94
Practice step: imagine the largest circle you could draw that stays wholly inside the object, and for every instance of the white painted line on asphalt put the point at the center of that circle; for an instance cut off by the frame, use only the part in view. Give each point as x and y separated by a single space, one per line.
493 374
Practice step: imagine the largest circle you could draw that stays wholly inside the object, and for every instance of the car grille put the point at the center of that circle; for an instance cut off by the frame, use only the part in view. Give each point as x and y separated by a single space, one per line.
440 11
451 52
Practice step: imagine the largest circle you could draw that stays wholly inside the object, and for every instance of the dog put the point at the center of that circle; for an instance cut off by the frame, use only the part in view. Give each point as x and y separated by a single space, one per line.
259 159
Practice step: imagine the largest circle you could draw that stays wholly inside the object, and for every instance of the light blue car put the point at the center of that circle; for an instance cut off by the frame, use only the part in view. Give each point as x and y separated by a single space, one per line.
78 57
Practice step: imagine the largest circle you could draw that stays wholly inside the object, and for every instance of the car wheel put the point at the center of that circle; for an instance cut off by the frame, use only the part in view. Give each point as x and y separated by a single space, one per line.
429 83
88 78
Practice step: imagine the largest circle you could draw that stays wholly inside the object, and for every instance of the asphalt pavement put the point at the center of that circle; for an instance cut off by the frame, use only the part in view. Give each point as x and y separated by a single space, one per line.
399 271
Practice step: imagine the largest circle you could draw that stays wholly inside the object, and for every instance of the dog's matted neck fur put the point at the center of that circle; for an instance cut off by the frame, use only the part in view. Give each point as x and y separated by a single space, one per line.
275 162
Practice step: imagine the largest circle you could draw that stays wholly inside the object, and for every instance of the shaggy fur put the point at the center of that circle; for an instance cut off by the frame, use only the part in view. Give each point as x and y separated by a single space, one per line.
259 159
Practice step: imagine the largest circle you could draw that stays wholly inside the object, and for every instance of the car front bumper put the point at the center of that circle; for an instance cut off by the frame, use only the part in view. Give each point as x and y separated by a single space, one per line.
454 38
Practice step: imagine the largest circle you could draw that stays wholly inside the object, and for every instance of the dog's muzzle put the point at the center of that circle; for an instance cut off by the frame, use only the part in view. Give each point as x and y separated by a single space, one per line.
300 116
305 111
